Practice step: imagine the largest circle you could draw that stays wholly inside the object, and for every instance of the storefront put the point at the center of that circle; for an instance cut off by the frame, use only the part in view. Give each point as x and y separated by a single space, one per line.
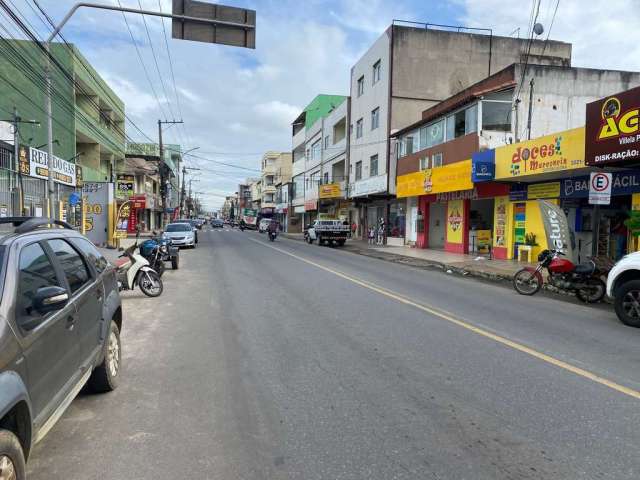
446 211
310 212
612 139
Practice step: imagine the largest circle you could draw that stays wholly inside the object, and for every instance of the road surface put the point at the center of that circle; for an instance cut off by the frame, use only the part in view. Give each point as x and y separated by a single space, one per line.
284 360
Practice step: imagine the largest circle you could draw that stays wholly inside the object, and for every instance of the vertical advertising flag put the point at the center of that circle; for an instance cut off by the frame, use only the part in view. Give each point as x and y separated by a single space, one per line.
556 228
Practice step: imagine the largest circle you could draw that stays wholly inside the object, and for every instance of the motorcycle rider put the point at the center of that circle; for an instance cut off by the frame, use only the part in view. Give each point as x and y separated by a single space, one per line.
272 229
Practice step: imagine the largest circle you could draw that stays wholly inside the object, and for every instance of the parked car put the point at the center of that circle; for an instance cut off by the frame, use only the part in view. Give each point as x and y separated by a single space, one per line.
623 284
263 225
60 324
181 234
217 223
190 221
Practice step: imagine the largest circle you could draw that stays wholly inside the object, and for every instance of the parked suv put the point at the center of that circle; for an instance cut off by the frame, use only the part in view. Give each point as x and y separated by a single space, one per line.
623 284
60 323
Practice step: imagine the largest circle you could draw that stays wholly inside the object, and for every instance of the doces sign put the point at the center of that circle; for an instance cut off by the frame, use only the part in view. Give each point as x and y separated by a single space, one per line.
613 129
552 153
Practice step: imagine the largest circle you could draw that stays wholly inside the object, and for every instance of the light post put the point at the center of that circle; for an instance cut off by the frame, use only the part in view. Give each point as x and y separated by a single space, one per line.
185 23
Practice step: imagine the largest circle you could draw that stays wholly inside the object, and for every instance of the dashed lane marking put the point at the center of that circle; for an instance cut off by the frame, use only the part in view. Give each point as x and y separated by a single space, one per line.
449 317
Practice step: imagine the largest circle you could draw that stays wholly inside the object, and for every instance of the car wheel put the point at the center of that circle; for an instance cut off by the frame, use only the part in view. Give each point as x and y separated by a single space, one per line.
12 464
105 376
627 303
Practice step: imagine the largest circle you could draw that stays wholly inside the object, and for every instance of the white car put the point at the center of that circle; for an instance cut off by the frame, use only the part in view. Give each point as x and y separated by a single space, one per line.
264 225
181 234
623 284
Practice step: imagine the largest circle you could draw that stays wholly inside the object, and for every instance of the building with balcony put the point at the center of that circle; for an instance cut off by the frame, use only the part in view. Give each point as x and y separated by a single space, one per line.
271 171
408 69
448 163
88 117
143 162
318 151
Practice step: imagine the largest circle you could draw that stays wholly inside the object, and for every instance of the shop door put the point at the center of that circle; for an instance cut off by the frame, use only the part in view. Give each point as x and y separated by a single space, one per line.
437 223
412 224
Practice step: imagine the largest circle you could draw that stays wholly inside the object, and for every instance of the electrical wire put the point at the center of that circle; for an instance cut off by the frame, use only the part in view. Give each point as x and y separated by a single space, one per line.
144 67
546 41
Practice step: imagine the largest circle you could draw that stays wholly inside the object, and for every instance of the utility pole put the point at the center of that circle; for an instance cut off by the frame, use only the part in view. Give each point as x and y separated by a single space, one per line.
16 120
184 190
530 109
162 167
207 27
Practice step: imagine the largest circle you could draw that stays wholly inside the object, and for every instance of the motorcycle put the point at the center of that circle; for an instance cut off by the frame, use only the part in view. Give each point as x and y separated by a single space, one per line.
272 235
584 279
135 270
158 250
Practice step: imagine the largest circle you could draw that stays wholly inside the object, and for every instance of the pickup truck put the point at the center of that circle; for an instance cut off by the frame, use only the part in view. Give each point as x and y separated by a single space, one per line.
333 232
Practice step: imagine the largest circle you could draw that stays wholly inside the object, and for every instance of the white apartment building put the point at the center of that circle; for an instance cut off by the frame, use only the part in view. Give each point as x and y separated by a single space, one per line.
319 155
408 69
271 170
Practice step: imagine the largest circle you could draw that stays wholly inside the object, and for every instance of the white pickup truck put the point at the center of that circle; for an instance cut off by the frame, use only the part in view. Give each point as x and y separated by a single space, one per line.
330 231
623 284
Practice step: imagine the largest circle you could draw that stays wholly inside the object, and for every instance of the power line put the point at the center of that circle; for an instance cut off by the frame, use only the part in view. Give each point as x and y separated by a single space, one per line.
144 66
550 26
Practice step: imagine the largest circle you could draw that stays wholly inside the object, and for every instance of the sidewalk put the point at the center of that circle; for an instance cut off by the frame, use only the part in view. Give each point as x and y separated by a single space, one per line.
474 265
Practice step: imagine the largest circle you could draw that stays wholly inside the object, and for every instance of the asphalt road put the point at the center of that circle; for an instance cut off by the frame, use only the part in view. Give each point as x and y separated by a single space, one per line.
283 360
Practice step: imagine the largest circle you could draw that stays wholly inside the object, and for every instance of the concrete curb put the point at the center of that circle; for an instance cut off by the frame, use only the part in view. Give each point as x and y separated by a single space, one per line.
434 264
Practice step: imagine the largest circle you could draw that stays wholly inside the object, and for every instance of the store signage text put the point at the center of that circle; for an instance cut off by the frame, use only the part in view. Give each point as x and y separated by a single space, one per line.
330 190
368 186
613 129
552 153
35 163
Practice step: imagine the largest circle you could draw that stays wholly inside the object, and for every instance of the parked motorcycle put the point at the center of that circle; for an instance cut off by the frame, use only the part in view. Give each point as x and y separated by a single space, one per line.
135 270
584 279
158 250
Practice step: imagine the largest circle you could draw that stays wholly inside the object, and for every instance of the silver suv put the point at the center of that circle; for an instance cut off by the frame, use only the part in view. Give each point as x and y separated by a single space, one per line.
60 323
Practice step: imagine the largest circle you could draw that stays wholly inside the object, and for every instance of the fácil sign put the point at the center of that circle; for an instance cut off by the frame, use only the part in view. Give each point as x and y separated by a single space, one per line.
613 129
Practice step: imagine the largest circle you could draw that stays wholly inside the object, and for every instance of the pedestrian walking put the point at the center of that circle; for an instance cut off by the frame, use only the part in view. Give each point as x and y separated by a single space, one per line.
380 239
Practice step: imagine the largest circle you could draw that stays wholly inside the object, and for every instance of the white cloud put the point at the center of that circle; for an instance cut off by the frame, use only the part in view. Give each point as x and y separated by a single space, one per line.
278 112
604 33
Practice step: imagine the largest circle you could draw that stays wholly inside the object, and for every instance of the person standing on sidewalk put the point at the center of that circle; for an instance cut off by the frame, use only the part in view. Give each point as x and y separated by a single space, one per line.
372 235
380 240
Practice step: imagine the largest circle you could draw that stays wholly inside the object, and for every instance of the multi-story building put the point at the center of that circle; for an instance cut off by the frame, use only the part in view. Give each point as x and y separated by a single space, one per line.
88 117
315 155
255 184
463 164
283 188
271 171
151 194
407 70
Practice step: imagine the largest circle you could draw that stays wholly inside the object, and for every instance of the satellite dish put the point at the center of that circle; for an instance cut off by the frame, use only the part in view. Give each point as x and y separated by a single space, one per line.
538 29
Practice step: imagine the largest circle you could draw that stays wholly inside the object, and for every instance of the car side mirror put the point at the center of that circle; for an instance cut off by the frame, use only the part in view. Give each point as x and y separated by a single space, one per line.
49 299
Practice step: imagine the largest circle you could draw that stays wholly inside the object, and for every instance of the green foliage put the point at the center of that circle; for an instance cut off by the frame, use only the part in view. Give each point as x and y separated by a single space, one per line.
633 223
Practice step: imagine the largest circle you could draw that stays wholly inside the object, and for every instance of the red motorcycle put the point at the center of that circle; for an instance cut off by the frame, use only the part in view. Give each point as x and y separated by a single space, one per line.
584 279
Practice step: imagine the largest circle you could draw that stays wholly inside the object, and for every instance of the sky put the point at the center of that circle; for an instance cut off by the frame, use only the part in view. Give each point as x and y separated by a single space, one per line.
238 103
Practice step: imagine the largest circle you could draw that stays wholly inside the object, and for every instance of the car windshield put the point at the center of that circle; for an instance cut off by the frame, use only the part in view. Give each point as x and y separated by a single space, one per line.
178 227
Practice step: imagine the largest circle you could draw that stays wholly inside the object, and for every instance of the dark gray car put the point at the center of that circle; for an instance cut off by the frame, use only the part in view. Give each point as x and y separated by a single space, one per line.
60 323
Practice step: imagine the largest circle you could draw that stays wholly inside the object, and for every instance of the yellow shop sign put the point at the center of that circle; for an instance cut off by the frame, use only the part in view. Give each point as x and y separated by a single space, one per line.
543 190
552 153
410 185
330 190
450 178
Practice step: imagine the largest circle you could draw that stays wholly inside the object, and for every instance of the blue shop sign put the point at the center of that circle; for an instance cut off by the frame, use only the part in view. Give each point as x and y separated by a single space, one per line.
623 183
483 166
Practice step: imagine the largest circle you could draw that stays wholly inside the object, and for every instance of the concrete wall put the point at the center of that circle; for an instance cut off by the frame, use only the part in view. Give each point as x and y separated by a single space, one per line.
372 142
561 94
457 60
